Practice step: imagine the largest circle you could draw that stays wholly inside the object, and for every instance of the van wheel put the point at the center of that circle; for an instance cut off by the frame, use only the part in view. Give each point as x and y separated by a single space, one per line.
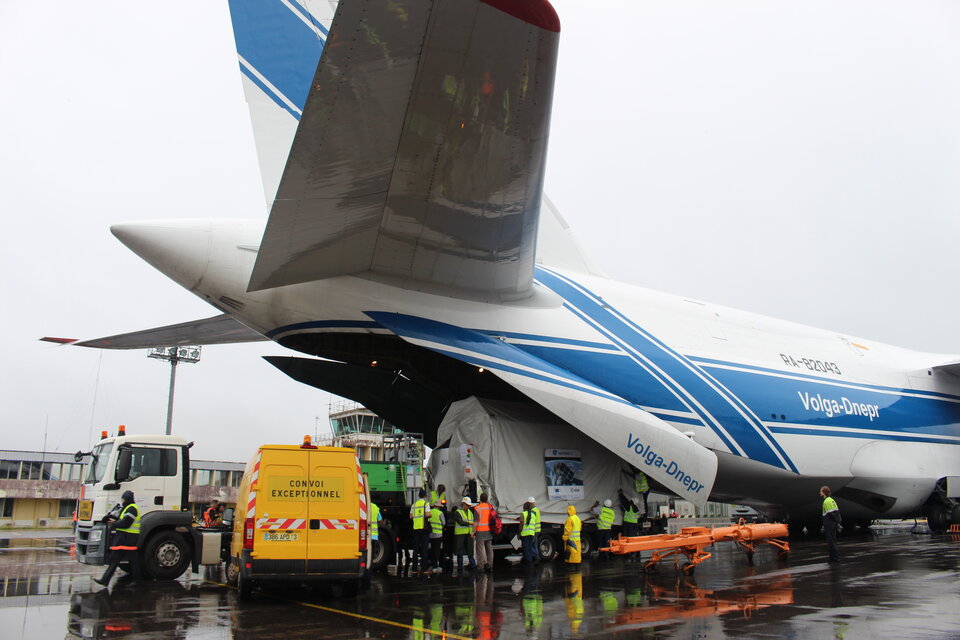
381 553
233 571
165 557
546 547
244 586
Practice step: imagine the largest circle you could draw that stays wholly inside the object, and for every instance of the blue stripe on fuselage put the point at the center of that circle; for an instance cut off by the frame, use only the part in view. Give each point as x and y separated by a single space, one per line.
716 409
278 44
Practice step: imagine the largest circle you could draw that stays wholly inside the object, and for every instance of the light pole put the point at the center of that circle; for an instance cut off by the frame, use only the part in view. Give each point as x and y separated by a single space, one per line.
174 355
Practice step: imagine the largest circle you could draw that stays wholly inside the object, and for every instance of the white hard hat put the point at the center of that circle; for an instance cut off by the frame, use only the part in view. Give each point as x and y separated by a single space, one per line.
466 500
531 499
608 502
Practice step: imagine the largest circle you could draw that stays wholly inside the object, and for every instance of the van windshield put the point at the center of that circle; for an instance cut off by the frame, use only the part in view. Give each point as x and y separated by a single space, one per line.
98 463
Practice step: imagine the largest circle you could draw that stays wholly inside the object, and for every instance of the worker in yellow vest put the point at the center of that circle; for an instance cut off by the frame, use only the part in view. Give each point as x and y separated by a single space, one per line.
528 533
420 514
631 515
605 517
642 486
439 497
463 519
571 536
437 522
126 539
831 522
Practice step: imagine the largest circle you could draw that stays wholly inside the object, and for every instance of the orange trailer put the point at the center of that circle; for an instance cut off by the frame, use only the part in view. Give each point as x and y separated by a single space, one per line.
691 542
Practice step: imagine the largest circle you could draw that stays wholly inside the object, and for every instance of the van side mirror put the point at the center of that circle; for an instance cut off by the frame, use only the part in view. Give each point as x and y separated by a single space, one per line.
124 461
227 516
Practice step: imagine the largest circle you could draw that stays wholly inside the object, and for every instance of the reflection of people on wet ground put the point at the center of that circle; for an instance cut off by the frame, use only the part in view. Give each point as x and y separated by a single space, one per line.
123 545
573 598
531 602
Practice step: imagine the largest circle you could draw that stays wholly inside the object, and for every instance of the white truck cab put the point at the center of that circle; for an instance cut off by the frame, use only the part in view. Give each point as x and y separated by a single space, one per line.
157 470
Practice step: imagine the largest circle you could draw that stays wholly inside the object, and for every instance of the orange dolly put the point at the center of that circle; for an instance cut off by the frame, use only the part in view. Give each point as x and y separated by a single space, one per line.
691 542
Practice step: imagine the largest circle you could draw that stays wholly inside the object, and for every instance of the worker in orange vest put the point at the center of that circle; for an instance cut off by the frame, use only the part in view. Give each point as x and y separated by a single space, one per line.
482 534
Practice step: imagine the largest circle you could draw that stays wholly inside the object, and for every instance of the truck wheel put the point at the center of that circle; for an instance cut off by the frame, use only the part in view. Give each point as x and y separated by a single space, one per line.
233 571
586 546
546 547
381 554
166 556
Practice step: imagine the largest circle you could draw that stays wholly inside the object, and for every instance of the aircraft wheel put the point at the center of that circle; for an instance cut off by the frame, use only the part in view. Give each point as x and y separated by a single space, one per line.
938 518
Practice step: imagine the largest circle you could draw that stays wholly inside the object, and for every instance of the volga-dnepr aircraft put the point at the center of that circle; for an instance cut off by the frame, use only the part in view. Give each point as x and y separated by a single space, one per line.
408 230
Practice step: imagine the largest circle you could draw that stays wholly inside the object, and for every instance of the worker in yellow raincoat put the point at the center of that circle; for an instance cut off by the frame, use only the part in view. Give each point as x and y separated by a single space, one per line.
571 536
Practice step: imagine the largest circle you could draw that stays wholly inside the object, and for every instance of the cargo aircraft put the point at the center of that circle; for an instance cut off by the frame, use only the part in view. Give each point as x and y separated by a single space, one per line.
411 252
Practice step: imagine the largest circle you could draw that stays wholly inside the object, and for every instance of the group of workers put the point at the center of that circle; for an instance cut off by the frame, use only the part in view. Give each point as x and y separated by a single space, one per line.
472 531
472 534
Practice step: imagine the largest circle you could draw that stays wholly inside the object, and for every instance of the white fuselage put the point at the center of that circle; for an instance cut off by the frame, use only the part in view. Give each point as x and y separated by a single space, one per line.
785 407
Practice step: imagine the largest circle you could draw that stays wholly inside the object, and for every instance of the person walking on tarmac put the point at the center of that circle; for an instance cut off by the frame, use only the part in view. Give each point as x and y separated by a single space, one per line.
482 534
419 514
126 527
831 521
571 536
463 519
437 522
375 518
528 533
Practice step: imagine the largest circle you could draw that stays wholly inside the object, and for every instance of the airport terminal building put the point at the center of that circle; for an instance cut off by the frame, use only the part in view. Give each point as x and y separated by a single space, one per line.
39 489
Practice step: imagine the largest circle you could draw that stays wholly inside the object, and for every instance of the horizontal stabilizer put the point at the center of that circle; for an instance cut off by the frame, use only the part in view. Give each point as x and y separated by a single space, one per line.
953 368
222 329
638 437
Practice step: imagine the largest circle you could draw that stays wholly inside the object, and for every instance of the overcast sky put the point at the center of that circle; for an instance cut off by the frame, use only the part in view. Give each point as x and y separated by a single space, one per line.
797 159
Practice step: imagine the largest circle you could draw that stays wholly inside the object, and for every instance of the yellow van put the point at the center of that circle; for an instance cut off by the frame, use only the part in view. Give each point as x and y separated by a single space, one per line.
301 516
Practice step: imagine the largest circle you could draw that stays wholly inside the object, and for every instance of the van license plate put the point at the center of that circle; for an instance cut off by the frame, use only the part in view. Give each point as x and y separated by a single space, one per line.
281 536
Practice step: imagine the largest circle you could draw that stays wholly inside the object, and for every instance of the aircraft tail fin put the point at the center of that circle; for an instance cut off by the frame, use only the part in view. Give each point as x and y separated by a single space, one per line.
557 245
279 43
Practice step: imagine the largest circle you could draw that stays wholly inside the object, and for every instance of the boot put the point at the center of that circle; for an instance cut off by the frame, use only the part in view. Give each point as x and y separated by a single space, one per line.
104 580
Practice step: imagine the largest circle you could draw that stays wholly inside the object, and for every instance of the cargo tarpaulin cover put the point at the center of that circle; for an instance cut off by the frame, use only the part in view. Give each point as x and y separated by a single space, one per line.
508 440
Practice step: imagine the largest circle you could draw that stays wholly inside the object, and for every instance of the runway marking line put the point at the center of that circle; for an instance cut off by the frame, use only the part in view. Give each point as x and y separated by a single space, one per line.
432 632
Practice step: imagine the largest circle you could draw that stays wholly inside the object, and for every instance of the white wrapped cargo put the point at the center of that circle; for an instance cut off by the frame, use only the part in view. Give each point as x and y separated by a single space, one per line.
507 447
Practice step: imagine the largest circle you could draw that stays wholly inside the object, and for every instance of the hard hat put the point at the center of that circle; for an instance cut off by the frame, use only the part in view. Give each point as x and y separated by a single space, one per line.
608 502
466 500
531 499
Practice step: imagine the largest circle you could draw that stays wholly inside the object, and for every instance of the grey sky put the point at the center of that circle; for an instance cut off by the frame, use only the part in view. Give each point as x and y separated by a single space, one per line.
800 160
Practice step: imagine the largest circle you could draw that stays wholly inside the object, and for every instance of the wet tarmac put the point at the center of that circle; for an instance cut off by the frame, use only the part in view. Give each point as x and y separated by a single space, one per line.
892 583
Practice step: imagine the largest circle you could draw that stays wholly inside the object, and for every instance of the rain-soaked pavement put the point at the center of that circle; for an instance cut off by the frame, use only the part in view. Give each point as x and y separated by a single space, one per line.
892 584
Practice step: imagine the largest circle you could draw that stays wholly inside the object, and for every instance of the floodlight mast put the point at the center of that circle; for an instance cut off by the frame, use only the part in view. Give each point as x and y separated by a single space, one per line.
174 355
